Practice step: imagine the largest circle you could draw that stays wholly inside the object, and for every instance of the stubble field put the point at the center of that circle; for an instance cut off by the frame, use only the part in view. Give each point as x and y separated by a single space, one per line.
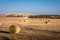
31 29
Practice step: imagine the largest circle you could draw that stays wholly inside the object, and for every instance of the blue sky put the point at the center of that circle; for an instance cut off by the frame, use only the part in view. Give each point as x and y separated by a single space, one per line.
30 6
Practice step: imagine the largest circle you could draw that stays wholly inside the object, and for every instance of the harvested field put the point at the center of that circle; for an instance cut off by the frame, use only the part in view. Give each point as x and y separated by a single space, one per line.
31 28
32 34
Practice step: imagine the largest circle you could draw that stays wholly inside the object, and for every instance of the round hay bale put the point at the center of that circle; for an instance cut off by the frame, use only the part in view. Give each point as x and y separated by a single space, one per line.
14 29
1 24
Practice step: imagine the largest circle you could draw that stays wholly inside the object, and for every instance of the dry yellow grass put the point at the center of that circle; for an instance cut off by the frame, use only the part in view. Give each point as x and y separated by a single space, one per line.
52 24
31 28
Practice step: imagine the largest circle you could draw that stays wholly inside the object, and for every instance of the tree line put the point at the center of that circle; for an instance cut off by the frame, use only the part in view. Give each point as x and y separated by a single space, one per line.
45 16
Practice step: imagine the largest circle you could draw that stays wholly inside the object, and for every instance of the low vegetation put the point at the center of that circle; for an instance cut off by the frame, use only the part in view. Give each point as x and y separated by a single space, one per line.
45 16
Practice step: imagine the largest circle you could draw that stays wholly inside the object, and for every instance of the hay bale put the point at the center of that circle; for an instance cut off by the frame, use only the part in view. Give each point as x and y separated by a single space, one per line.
1 24
14 29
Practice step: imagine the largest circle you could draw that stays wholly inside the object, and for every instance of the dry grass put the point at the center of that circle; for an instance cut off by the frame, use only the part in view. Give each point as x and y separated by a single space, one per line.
33 34
31 29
